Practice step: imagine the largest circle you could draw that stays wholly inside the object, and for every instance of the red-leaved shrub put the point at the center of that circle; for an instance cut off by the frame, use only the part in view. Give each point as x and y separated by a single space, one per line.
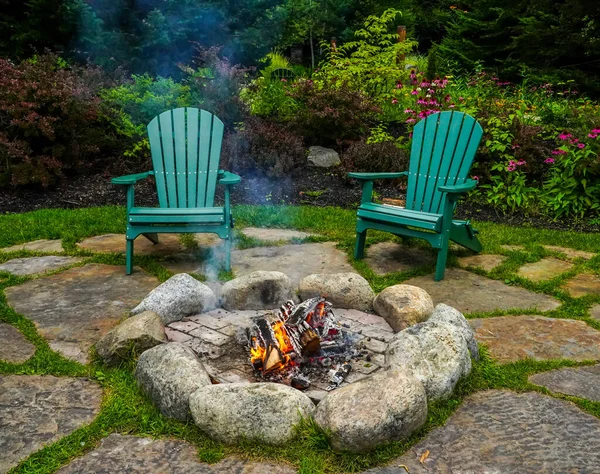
263 146
49 119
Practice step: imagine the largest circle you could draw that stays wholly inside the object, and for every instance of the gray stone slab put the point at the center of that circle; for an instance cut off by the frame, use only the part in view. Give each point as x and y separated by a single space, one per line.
583 284
211 336
75 308
471 293
14 347
34 265
501 432
545 269
296 261
274 235
570 253
485 261
129 454
389 257
595 312
43 245
39 410
513 338
169 244
583 382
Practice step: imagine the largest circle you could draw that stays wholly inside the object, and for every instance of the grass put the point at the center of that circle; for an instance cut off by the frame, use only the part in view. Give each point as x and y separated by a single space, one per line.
126 410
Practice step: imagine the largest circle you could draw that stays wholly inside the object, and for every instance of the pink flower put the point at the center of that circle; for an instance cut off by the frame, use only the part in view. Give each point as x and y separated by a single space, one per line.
476 178
410 120
521 162
515 146
549 160
596 130
581 145
592 135
451 106
461 98
415 92
559 152
511 168
565 136
399 85
394 101
409 111
283 79
410 135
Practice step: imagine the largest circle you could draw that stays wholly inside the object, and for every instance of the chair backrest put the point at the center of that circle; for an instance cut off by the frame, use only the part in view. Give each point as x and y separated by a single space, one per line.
442 152
185 144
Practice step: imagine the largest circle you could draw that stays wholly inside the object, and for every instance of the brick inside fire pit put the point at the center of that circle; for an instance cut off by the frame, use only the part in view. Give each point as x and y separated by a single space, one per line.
220 338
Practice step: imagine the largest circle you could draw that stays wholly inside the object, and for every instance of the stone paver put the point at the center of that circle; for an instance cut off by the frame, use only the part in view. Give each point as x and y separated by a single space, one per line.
75 308
33 265
43 245
470 293
389 257
501 432
132 455
512 338
169 244
296 261
545 269
595 312
14 347
583 382
485 261
583 284
513 248
274 235
570 253
37 410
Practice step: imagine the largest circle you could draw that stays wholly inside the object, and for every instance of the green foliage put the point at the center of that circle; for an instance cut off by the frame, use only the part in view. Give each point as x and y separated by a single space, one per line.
371 63
131 106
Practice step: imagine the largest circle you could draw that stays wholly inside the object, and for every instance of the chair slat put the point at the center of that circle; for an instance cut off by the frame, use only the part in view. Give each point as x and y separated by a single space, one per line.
460 153
179 132
425 161
166 133
213 166
413 166
157 162
454 130
204 147
437 160
192 155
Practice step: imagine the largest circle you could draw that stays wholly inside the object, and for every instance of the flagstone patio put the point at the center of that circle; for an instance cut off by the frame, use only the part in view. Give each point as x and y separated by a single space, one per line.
493 431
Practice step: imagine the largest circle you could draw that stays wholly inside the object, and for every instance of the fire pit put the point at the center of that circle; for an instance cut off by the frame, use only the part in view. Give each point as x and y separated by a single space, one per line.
302 343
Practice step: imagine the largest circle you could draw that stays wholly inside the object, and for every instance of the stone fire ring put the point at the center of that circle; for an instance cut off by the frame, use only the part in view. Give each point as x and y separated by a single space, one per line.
429 352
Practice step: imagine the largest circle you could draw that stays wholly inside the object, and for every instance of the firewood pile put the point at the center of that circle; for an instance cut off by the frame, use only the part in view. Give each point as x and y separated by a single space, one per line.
301 343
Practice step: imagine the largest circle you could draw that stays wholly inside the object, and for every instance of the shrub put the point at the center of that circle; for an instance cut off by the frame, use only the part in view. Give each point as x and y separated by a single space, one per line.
375 157
328 113
49 120
261 145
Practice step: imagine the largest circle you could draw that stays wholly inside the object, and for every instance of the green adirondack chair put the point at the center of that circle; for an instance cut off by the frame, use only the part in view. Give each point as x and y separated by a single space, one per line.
185 144
443 149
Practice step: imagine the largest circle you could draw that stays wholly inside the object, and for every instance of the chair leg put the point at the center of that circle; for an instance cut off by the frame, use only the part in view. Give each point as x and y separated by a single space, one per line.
228 252
359 249
153 237
129 257
440 266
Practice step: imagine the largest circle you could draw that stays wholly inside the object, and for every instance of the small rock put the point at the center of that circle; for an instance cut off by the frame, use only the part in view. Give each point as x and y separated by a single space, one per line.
387 406
435 353
262 411
343 290
134 335
323 157
443 313
179 296
258 290
169 374
403 306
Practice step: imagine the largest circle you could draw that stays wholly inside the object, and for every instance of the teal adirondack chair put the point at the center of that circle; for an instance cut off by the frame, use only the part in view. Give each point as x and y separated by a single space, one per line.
443 149
185 144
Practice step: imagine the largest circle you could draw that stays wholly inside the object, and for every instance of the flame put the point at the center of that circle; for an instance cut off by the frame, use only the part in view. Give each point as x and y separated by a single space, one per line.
259 353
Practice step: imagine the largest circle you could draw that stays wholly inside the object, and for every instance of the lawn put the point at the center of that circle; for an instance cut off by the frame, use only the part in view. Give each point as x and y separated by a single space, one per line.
125 409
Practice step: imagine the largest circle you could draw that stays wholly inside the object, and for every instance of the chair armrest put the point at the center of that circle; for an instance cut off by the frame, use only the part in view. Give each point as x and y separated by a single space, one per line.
226 178
131 178
372 176
459 188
